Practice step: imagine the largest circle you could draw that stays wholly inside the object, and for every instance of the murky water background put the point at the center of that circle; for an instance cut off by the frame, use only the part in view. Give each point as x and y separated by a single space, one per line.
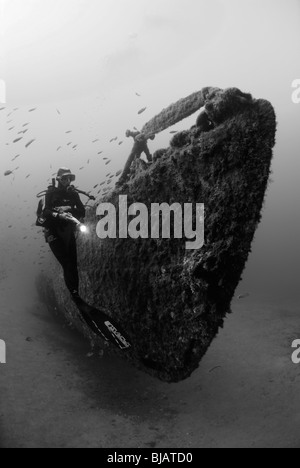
86 75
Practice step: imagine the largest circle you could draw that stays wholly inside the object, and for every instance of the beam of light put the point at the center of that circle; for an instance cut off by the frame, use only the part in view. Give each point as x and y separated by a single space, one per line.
83 229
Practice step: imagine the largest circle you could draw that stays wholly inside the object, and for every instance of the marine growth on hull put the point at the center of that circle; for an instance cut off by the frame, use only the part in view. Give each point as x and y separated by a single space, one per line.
172 300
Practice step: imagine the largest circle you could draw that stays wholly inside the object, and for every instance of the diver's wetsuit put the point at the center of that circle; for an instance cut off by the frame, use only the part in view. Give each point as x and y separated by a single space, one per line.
60 234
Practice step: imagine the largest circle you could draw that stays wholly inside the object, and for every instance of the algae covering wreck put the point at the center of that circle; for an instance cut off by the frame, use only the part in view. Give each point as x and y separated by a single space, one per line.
172 301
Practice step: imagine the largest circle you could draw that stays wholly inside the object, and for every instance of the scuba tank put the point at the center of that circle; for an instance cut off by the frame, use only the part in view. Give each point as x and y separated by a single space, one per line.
44 192
41 221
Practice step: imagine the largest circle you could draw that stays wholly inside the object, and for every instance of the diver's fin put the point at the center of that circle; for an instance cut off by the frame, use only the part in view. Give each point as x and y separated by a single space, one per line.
103 325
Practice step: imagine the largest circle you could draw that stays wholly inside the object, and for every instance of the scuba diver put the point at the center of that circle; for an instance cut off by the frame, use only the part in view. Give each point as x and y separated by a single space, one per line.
60 215
140 146
62 212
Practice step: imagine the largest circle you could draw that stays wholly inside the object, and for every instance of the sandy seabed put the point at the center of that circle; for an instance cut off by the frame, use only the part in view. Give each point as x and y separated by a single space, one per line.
55 394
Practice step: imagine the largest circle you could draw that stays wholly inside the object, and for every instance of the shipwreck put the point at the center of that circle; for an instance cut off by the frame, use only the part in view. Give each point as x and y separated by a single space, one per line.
172 301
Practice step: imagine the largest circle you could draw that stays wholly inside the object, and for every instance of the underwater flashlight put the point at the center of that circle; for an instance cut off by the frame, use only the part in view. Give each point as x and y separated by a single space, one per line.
80 226
83 228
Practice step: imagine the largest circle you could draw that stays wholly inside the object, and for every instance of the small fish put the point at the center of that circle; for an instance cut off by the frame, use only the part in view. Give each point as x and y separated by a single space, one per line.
18 155
137 94
69 131
95 141
118 173
120 143
100 152
17 139
174 131
27 176
69 144
108 162
81 168
58 148
88 161
243 296
25 125
7 173
2 108
96 186
32 110
142 110
11 128
29 143
215 368
58 111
